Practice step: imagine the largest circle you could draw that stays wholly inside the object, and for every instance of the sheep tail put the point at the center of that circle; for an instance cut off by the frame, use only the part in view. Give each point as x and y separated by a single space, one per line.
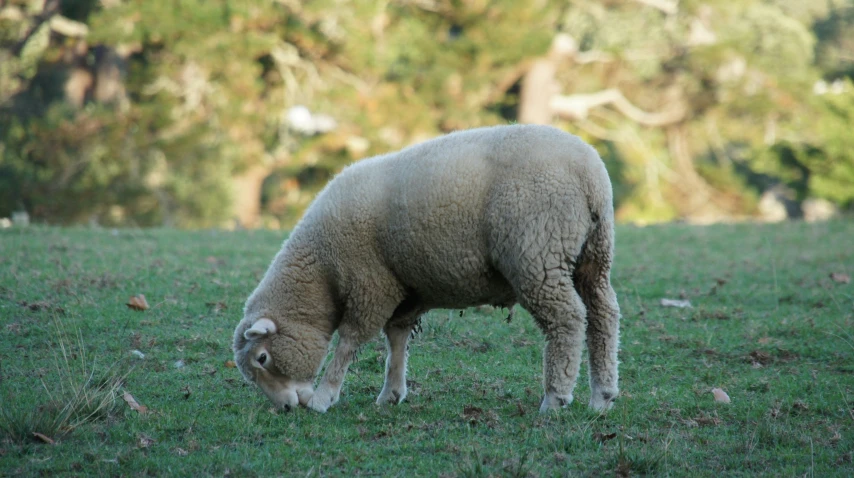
598 250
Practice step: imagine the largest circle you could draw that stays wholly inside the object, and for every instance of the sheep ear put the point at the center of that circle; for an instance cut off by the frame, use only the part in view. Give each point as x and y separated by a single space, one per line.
260 329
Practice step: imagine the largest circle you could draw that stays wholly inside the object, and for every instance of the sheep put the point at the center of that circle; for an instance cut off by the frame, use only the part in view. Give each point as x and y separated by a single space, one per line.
490 216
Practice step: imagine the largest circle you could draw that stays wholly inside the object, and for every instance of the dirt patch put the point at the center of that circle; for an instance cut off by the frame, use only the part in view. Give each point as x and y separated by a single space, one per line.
42 305
763 358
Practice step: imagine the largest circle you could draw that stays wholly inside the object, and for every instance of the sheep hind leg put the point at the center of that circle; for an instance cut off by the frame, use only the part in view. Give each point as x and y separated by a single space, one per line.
563 325
537 268
603 322
394 388
602 345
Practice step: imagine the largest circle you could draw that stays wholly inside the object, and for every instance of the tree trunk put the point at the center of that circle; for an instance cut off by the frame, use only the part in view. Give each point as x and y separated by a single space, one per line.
247 195
700 199
109 72
538 88
539 84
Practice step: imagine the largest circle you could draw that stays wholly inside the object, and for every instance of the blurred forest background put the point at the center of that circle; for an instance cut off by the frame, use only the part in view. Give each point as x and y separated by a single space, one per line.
215 113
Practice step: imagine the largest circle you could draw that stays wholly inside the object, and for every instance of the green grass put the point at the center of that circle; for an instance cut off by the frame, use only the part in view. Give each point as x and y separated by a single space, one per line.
768 325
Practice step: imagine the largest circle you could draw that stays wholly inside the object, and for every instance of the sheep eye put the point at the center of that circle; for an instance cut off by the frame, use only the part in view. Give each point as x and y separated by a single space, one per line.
262 359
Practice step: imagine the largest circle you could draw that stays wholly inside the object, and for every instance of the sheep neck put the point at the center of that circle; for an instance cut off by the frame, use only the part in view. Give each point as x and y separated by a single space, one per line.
293 291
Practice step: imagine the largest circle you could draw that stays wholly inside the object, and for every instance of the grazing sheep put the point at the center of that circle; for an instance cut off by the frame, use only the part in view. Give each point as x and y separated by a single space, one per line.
495 215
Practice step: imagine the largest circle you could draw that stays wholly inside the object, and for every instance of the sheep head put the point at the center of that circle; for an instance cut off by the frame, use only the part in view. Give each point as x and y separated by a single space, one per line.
281 359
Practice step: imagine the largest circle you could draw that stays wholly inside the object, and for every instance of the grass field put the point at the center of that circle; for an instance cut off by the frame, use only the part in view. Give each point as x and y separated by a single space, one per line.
768 325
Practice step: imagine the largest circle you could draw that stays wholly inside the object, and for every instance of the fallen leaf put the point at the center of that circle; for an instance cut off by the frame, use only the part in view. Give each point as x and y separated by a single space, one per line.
181 452
840 278
602 438
764 340
720 395
230 364
44 438
675 303
133 403
138 303
520 409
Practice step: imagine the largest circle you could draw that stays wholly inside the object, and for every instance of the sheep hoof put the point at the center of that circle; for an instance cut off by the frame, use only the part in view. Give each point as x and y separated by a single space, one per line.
391 397
320 402
304 395
555 402
316 406
602 401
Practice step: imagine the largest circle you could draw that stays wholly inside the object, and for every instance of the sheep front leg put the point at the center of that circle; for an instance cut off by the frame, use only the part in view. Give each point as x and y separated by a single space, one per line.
394 389
329 389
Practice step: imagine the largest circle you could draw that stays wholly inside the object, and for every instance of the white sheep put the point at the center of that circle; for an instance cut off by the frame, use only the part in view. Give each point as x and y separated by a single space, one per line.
496 215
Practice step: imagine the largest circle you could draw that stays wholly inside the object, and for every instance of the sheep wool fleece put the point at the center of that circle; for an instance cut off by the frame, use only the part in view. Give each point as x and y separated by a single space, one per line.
496 215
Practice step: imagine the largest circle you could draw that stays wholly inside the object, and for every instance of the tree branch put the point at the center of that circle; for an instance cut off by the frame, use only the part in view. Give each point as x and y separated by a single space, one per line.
670 7
577 107
593 56
597 131
68 27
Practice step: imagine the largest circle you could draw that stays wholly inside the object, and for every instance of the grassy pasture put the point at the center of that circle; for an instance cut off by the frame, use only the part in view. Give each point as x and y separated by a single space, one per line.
768 325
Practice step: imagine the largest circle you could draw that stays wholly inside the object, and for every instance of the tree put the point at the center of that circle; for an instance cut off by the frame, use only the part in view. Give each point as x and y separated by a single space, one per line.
202 113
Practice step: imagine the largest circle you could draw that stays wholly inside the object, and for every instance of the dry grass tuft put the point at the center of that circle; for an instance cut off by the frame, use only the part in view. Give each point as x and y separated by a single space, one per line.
75 391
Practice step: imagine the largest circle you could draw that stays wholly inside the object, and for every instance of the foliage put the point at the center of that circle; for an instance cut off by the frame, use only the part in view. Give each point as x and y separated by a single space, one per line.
198 114
96 164
768 325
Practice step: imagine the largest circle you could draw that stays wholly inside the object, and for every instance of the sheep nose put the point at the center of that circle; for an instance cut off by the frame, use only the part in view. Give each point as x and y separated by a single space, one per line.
287 407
